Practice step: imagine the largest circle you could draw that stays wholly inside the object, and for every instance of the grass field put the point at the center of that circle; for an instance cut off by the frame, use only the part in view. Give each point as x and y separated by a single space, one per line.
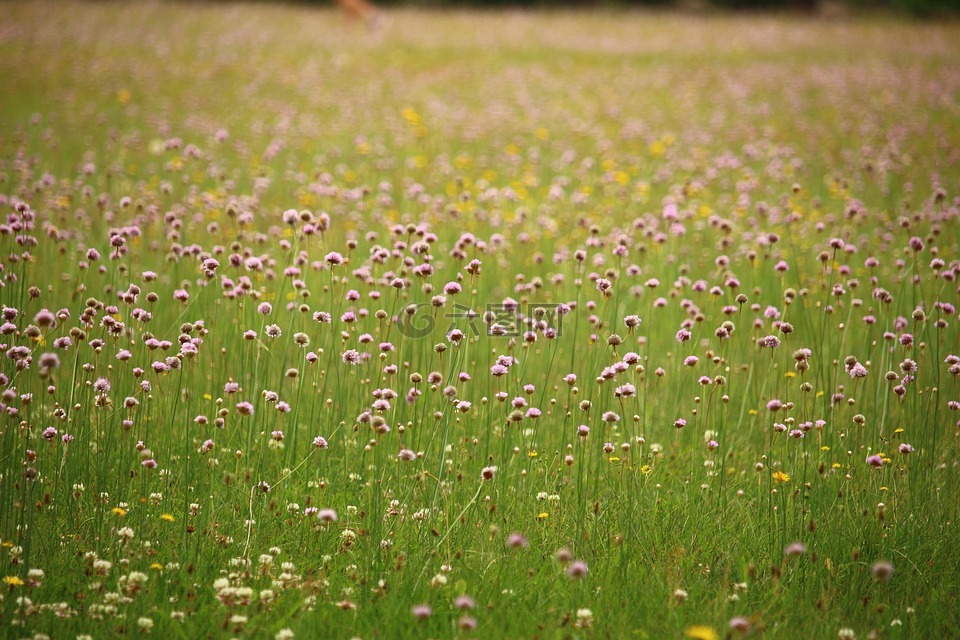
504 325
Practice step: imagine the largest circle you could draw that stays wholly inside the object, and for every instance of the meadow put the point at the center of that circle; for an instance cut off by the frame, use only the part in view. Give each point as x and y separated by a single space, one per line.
482 324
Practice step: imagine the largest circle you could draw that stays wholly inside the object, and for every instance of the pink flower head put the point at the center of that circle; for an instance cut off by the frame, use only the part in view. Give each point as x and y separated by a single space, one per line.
577 569
739 623
422 611
516 541
858 371
327 515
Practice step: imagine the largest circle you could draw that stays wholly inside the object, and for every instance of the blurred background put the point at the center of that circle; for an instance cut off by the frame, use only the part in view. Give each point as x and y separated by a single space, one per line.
917 8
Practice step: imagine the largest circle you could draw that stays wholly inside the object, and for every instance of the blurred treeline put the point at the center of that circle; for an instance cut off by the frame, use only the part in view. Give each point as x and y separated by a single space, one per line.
920 8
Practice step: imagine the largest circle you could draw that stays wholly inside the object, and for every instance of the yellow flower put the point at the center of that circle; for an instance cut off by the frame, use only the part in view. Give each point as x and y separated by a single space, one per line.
156 566
701 632
780 476
167 517
119 511
543 515
13 581
645 469
532 454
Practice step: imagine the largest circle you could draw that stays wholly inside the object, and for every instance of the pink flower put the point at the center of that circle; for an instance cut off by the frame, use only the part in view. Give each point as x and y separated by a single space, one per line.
516 541
875 461
858 371
740 624
422 611
327 515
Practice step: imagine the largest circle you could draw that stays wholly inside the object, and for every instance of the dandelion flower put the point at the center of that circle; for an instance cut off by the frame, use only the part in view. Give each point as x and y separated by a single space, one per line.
701 632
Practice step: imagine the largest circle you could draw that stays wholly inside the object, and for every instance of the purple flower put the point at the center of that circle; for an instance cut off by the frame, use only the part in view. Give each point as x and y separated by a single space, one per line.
577 569
875 461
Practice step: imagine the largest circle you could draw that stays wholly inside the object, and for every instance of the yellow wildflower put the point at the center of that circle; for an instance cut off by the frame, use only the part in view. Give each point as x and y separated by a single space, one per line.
167 517
780 476
12 581
701 632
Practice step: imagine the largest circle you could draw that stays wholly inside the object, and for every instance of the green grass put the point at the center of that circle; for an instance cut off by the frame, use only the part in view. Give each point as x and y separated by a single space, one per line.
539 134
